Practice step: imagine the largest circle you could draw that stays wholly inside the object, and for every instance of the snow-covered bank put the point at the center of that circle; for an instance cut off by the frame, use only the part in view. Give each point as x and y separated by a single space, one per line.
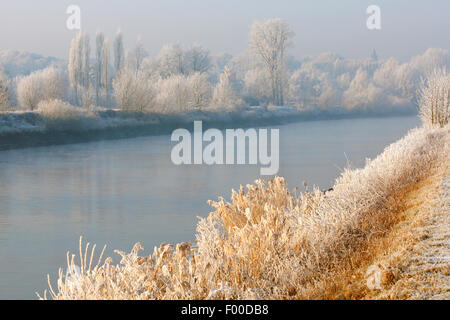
27 129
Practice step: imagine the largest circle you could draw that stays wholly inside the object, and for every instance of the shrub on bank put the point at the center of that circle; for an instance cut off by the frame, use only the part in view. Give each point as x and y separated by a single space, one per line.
61 116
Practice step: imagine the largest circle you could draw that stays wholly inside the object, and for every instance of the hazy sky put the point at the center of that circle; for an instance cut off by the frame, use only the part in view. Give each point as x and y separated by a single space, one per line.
408 27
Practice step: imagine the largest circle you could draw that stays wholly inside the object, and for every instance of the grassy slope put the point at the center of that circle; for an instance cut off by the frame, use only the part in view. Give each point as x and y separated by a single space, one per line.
413 263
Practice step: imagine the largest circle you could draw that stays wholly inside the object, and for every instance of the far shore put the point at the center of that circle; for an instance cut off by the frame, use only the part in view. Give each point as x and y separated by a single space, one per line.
36 131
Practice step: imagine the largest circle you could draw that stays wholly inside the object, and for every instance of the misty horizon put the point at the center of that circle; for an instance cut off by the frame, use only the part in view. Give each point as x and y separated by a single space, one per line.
407 30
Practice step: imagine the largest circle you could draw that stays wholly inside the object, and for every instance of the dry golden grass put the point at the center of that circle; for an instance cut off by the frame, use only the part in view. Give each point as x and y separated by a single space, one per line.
269 243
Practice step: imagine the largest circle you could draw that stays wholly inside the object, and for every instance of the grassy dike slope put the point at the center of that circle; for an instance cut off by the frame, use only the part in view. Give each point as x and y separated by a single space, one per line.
381 233
414 262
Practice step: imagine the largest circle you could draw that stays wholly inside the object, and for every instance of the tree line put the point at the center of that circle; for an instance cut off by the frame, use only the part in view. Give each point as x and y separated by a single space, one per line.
184 79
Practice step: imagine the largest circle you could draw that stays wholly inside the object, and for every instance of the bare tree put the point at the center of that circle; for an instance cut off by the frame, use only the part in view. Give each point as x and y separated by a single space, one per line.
139 54
224 95
171 61
200 90
198 59
133 91
4 93
75 67
79 66
99 41
105 71
174 94
434 98
270 40
40 85
86 62
119 52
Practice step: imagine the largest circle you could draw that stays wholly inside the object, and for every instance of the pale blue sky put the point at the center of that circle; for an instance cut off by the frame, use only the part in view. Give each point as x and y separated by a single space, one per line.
408 26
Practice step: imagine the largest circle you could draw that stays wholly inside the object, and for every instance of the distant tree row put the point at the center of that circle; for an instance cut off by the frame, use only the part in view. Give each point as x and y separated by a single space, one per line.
4 92
182 79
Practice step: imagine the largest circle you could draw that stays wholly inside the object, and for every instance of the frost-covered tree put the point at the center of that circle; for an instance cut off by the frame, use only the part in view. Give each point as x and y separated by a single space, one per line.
433 58
222 61
29 92
256 90
99 43
383 76
362 93
119 52
4 93
355 83
129 60
105 66
79 66
374 55
224 96
407 80
200 90
171 61
434 98
174 94
328 97
198 59
270 40
133 91
86 63
356 95
262 75
75 66
310 88
139 54
40 85
180 93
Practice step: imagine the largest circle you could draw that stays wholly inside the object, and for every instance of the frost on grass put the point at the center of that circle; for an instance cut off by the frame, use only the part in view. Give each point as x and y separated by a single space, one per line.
269 242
